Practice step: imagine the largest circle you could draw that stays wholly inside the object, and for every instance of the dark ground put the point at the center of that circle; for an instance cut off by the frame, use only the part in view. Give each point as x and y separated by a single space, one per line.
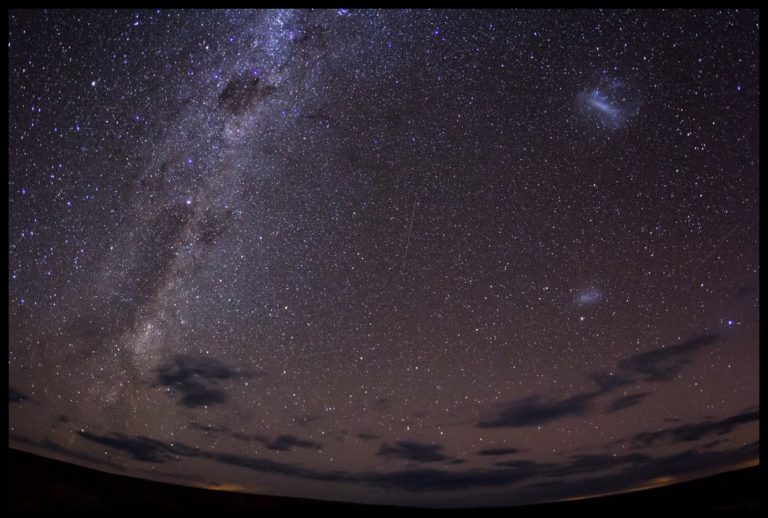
38 483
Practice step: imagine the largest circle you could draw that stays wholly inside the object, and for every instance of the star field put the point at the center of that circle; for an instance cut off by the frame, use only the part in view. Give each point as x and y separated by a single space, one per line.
432 258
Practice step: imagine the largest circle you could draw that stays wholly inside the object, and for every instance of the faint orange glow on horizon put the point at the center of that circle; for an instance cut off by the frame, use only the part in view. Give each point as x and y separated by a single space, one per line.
223 486
661 481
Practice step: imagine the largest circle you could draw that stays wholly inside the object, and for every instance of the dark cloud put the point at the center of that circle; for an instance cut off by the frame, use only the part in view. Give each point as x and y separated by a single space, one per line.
14 396
656 365
279 468
367 436
196 394
154 451
694 431
141 448
61 418
423 480
533 411
50 446
290 442
665 363
209 428
577 464
250 438
196 378
712 444
637 472
626 402
518 464
284 442
542 481
499 451
410 480
21 439
608 381
661 364
590 463
412 451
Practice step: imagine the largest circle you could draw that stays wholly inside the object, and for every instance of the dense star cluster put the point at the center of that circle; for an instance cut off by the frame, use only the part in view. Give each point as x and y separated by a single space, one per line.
440 258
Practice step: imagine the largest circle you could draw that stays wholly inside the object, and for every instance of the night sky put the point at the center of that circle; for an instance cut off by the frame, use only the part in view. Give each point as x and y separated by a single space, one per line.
433 258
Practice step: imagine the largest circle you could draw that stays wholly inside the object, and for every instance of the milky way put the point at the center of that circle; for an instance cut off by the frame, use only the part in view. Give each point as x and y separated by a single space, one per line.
434 258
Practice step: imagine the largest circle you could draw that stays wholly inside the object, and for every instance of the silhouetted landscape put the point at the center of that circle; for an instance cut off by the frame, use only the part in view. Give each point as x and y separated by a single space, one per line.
38 483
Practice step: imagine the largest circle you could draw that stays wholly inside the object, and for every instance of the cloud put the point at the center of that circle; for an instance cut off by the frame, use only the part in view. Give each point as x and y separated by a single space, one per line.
609 381
196 378
250 438
657 365
141 448
289 442
409 480
694 431
282 442
499 451
48 445
532 481
579 464
279 468
412 451
14 396
714 443
366 436
533 411
626 402
209 428
665 363
423 480
640 472
151 450
518 464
